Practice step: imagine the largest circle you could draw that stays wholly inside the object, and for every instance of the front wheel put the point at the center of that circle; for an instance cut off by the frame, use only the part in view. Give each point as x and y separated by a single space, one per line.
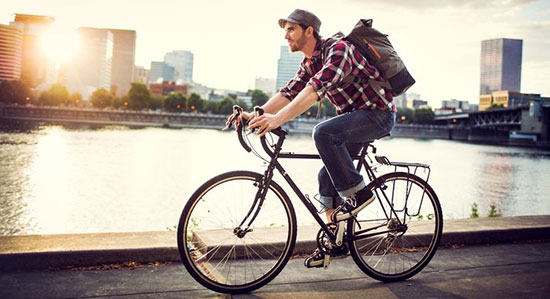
397 235
219 246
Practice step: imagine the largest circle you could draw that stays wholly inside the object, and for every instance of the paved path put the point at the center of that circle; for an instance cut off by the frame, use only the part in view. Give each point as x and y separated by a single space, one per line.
491 271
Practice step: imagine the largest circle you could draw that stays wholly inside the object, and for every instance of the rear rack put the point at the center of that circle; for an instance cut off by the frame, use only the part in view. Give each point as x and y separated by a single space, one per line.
412 168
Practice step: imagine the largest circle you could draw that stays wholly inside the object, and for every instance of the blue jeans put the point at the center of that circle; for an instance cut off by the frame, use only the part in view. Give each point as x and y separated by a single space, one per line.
336 140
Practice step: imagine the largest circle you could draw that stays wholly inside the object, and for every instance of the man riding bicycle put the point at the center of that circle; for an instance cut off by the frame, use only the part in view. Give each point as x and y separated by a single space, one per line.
362 114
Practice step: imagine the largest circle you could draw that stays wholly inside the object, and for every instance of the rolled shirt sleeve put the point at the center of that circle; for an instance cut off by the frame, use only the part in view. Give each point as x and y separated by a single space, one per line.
296 84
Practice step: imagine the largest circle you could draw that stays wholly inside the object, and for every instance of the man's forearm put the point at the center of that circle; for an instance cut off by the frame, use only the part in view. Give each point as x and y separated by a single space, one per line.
305 99
275 103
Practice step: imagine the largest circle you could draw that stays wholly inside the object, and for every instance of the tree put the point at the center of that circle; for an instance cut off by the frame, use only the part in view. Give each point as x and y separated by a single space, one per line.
75 99
196 103
138 96
225 106
212 107
157 102
495 106
424 116
175 102
55 96
243 105
101 98
258 98
14 91
404 115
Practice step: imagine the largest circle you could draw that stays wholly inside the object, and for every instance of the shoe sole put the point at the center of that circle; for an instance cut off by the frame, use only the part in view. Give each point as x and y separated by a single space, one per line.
356 210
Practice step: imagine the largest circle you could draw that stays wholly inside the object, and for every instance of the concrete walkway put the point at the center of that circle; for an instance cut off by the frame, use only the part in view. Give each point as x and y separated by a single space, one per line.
476 271
46 251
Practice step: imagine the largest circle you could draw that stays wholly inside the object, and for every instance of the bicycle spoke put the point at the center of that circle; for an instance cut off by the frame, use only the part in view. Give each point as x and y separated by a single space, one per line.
225 255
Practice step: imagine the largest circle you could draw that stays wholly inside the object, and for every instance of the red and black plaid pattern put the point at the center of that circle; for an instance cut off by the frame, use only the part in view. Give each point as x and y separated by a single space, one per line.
326 74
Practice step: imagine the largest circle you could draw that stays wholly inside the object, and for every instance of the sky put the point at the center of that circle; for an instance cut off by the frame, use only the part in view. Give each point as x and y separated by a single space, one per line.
236 41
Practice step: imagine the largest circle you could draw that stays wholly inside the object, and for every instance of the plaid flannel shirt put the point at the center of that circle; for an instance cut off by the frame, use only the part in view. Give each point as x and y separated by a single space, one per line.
326 74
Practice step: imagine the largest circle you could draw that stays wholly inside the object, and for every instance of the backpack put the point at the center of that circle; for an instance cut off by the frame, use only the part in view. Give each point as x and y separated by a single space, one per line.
378 50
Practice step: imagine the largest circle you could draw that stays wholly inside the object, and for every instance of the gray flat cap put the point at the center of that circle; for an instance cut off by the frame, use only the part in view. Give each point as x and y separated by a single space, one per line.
302 17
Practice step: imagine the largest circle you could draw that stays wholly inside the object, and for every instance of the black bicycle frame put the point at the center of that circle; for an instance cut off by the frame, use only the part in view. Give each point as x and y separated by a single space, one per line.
275 154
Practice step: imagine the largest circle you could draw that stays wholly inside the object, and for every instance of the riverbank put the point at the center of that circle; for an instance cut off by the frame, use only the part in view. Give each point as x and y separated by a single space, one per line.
54 251
25 115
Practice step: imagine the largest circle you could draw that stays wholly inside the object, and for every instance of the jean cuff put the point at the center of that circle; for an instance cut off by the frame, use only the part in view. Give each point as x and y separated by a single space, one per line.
327 202
349 192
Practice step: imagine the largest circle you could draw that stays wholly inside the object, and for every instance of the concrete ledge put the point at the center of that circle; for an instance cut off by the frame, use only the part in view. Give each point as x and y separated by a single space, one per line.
45 251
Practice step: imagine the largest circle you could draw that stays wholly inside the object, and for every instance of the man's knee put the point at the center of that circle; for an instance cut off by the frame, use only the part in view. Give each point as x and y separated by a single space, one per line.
321 134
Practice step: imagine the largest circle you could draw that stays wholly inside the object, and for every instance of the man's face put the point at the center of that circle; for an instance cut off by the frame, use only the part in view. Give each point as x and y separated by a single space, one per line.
295 36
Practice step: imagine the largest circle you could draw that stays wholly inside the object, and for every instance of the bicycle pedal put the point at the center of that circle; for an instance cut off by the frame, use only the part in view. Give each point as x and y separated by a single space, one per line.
326 261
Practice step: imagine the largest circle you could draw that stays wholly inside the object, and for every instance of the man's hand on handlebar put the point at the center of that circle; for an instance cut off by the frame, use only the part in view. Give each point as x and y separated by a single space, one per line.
264 123
237 118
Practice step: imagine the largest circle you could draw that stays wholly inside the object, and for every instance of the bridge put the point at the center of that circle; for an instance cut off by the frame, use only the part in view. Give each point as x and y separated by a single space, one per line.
518 125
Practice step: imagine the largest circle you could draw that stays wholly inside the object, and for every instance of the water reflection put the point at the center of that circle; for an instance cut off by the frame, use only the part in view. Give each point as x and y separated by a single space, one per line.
76 180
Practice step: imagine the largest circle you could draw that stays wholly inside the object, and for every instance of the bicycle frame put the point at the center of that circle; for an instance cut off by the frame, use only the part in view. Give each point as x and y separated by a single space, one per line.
276 154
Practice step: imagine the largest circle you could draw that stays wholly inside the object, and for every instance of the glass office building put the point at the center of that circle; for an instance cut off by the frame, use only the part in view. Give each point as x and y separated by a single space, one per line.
500 65
288 65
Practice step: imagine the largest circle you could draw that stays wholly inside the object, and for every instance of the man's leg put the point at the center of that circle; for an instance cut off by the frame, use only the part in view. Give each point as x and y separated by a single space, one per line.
334 135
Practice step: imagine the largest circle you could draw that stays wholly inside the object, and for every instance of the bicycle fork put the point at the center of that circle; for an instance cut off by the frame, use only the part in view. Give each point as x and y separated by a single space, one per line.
259 198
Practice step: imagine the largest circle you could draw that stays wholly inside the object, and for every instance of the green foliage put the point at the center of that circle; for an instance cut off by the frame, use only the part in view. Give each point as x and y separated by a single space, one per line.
258 98
75 99
404 115
495 106
55 96
101 98
14 92
196 104
423 116
138 96
157 102
211 107
175 102
475 211
243 105
493 211
225 106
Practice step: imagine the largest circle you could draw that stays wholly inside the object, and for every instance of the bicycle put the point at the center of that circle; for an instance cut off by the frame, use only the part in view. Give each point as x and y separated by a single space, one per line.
238 230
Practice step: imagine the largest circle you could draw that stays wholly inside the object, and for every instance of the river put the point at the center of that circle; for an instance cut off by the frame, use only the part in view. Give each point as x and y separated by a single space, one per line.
56 180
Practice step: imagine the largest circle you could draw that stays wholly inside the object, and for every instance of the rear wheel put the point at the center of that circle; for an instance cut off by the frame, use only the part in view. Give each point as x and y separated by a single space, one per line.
397 235
223 253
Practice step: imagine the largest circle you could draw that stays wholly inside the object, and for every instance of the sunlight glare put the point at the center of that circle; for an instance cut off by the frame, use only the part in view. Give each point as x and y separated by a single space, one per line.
60 43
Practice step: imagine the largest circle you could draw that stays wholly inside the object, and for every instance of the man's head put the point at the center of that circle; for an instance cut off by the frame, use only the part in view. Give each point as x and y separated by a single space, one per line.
301 27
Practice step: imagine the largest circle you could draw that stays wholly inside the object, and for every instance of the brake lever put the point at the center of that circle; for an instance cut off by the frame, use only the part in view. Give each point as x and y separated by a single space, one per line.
258 111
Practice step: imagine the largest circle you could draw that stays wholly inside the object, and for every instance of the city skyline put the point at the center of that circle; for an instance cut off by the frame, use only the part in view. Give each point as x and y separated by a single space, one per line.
236 42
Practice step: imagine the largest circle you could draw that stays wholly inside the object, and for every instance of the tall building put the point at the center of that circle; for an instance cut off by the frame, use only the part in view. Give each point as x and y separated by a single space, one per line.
124 53
35 65
455 105
266 85
408 100
11 52
161 71
141 75
287 66
182 62
500 65
92 69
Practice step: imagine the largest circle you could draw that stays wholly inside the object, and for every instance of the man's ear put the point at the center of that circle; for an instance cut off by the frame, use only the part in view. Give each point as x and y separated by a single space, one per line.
309 30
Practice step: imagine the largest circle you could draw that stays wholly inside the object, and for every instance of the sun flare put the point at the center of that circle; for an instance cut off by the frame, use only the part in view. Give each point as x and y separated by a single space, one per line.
60 44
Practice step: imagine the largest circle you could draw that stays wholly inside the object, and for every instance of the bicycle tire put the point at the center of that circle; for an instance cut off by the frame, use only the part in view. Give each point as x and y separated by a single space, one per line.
395 255
214 254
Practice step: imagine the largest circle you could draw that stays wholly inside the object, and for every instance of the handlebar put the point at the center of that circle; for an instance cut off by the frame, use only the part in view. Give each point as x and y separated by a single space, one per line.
258 111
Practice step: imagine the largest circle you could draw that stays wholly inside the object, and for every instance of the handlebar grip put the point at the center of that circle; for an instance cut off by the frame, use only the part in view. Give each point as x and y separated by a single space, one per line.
240 129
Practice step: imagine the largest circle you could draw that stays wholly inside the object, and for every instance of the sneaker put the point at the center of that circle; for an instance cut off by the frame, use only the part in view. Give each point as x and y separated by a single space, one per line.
317 258
363 198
